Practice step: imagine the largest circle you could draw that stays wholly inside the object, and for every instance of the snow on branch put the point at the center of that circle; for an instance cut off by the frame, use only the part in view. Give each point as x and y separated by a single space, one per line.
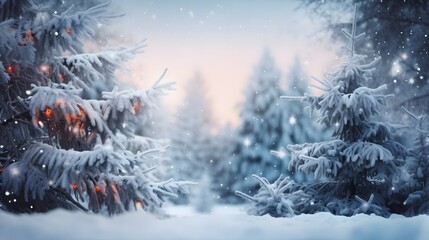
61 102
321 166
140 143
104 175
88 68
60 107
70 28
293 98
371 65
280 154
4 77
13 49
130 103
368 206
352 36
366 154
317 156
411 114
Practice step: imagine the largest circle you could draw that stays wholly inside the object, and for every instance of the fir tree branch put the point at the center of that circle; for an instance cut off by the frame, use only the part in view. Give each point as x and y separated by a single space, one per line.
68 197
24 116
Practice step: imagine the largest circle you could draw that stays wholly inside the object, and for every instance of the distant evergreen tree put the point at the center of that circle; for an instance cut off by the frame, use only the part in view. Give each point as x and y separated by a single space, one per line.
223 148
190 146
415 179
260 129
203 198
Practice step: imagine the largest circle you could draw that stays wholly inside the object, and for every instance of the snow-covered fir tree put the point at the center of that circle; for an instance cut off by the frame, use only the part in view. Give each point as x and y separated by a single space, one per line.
190 144
260 129
415 178
298 124
58 147
355 171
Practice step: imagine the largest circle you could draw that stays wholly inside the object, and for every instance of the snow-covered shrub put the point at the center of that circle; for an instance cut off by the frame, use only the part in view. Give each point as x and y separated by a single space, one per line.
277 199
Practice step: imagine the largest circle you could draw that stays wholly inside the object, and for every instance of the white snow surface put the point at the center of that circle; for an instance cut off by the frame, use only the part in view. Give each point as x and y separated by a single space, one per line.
224 222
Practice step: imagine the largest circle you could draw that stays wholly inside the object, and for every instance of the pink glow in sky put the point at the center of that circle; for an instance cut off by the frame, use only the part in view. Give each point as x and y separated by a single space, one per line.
222 40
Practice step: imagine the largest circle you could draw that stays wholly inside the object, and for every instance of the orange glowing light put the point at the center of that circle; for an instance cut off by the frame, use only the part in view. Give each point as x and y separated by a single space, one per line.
10 69
115 193
29 35
68 31
48 113
68 118
82 114
137 106
98 188
60 102
74 186
76 123
45 68
138 204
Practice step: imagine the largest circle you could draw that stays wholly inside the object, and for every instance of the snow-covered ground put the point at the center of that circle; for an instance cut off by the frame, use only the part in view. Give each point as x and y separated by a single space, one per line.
224 222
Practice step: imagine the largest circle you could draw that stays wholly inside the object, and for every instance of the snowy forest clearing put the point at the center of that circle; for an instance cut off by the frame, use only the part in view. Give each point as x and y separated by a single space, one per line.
225 222
72 138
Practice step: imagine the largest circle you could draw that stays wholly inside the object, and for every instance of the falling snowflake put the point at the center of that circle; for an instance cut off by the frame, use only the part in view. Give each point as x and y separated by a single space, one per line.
247 142
14 171
292 120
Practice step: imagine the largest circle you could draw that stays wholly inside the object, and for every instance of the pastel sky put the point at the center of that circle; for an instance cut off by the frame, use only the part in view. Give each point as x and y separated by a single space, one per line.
222 40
